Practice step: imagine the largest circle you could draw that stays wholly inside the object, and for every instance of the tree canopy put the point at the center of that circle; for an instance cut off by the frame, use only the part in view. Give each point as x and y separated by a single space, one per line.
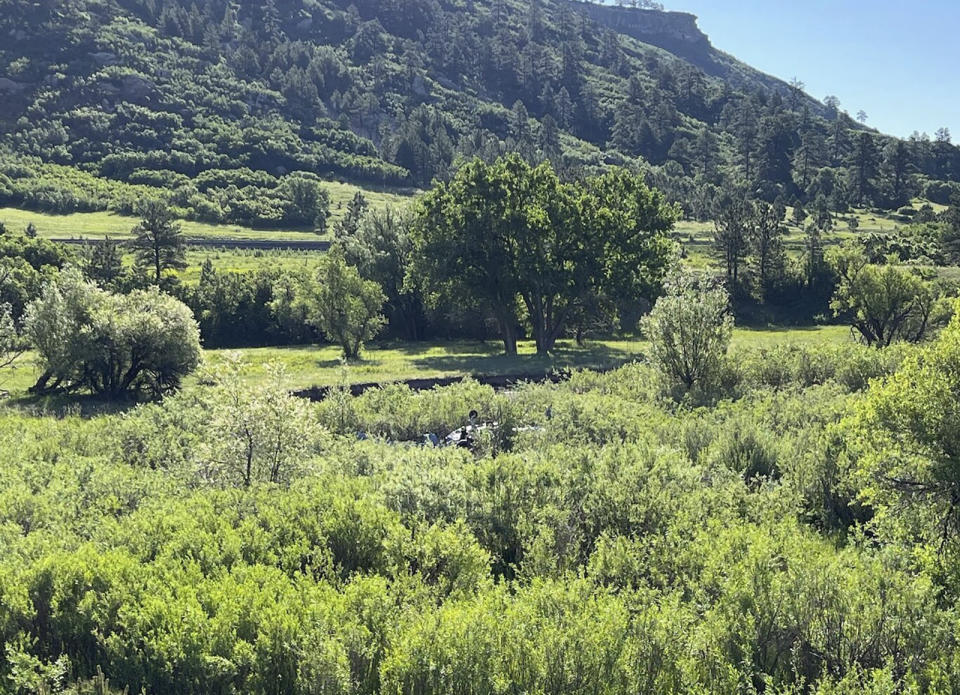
908 443
334 298
508 234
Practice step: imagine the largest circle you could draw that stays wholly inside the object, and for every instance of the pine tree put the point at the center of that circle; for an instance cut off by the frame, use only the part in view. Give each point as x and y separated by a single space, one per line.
767 248
158 244
732 233
271 21
550 140
863 167
104 263
745 134
565 109
809 155
776 147
815 264
534 21
898 169
705 150
348 225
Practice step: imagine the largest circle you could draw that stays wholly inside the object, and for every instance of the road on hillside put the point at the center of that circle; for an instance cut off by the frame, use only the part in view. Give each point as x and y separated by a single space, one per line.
253 244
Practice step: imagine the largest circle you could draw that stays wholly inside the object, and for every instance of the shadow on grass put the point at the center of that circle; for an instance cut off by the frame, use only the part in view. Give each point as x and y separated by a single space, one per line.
774 330
454 348
594 356
64 405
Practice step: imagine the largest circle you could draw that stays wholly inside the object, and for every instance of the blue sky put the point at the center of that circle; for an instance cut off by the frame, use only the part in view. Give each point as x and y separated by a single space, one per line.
898 61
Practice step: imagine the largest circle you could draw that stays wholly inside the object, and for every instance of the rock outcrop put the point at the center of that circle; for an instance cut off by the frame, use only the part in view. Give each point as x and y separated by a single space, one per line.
676 32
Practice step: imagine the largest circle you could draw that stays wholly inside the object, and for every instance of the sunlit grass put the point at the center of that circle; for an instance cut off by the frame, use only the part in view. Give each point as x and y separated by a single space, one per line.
96 225
697 237
321 365
244 261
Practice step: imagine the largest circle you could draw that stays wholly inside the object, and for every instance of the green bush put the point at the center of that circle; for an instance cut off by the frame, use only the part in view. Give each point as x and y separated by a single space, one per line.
143 343
624 542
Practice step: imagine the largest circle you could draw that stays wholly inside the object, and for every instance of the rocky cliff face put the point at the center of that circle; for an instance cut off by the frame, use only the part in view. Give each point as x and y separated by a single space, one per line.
676 32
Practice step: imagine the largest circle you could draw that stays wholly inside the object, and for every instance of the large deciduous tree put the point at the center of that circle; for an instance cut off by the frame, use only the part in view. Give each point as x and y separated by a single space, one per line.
909 442
382 251
309 202
625 231
504 233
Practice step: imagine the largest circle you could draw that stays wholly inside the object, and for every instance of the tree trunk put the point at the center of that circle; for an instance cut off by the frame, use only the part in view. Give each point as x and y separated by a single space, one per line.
508 333
540 336
41 385
537 310
554 324
410 311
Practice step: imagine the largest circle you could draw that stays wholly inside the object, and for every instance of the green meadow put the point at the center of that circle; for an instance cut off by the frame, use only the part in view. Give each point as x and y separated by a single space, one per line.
383 362
97 225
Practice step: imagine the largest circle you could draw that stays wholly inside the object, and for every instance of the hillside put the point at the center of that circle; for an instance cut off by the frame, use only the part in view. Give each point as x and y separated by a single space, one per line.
679 34
216 105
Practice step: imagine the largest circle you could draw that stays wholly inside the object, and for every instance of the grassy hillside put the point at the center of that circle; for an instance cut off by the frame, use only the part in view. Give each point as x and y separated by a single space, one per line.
96 225
92 225
223 107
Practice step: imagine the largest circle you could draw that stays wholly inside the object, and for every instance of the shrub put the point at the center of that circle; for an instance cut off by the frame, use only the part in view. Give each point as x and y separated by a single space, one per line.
143 343
689 330
884 303
789 366
940 192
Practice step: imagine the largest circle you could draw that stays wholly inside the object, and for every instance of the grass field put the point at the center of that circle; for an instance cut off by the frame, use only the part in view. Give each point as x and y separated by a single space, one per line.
342 193
697 237
320 365
243 260
96 225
